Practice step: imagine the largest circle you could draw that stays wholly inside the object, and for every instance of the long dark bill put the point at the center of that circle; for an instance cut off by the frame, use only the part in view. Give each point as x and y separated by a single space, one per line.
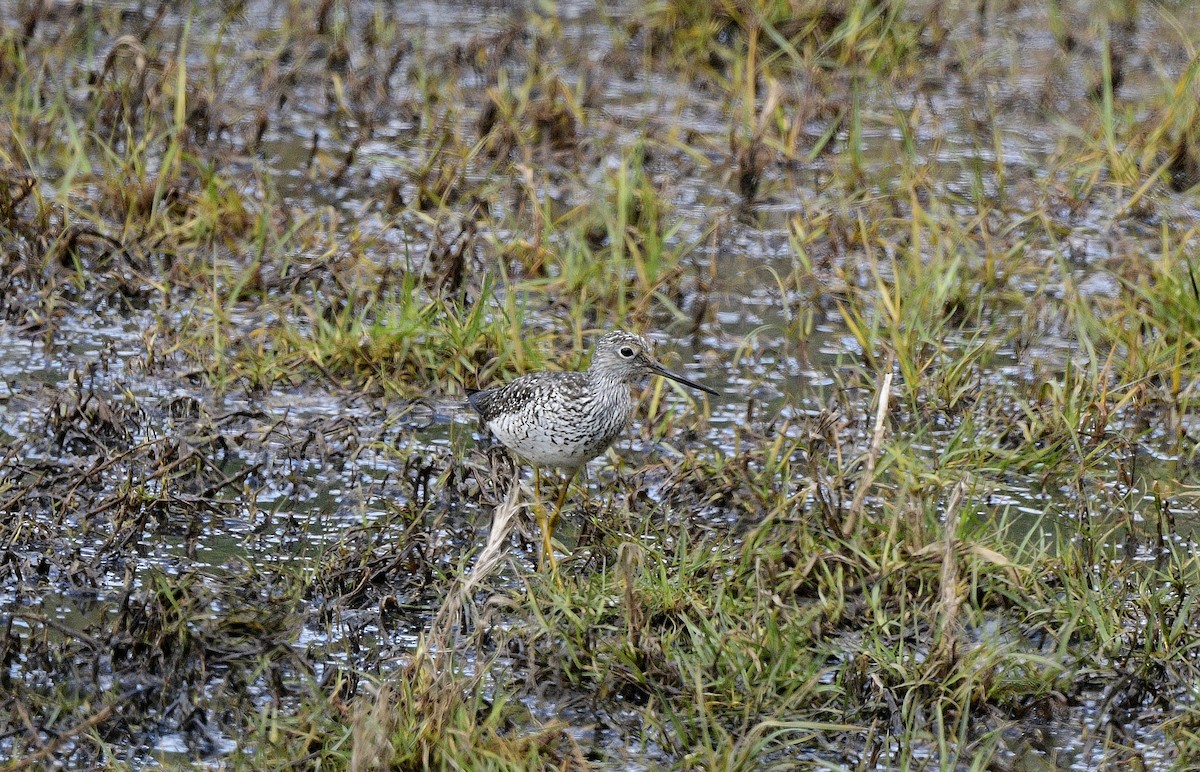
664 372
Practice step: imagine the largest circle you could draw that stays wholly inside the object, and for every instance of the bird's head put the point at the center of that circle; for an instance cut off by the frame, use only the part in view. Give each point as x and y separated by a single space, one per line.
629 358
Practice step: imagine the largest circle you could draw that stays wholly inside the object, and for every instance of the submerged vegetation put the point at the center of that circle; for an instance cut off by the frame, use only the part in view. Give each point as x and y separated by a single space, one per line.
940 258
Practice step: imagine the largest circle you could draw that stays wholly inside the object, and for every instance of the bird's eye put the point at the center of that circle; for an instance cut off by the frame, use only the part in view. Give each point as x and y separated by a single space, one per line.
627 352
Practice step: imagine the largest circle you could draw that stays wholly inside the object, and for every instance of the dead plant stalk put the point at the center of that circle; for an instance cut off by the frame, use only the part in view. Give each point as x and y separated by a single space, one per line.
868 477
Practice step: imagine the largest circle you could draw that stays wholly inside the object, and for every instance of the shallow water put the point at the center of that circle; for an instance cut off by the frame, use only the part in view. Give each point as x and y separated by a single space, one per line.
321 462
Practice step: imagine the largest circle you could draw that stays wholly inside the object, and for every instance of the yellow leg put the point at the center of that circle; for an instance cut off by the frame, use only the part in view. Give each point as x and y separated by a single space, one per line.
539 514
546 524
552 523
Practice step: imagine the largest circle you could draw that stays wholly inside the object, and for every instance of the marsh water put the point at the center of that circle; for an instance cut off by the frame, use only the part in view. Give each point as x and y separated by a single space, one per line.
289 472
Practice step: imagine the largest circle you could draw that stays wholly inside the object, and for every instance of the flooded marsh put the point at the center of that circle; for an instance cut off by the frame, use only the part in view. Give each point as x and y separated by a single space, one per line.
937 258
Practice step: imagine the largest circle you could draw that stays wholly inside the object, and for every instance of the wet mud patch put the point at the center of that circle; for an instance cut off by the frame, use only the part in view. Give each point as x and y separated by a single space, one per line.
174 566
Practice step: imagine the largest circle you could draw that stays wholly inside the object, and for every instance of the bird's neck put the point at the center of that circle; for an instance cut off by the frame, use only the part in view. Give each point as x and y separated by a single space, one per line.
613 391
606 381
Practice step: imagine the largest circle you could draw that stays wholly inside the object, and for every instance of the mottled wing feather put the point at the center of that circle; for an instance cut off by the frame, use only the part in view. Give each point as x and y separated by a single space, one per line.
525 391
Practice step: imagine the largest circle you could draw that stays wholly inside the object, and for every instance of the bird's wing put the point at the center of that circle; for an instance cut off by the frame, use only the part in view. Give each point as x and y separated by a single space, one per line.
546 387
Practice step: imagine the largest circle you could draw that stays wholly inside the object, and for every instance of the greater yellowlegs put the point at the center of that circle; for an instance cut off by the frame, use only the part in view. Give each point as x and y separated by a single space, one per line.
565 419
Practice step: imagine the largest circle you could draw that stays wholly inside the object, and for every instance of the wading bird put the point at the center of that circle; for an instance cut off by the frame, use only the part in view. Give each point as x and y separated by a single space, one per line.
565 419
